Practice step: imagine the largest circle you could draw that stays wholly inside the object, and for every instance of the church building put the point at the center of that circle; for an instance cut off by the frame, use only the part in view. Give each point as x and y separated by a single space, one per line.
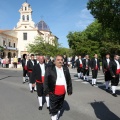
27 31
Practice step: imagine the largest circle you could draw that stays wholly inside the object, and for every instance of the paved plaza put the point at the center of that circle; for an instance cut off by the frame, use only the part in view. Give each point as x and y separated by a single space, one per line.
86 103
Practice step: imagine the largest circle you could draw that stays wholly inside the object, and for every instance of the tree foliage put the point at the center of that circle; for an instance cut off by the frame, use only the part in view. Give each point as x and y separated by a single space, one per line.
107 12
93 40
39 46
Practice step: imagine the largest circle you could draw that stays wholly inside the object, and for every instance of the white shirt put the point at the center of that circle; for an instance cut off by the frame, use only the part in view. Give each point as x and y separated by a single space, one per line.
37 61
32 62
26 62
60 77
80 61
108 60
86 62
42 66
118 65
96 61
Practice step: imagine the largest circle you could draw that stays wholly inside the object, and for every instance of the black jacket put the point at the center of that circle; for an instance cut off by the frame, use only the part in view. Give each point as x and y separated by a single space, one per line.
113 68
84 63
51 77
23 62
105 65
49 64
36 74
78 63
93 63
30 65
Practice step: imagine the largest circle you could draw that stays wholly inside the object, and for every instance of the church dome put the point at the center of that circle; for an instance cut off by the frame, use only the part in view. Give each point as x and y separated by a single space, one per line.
42 26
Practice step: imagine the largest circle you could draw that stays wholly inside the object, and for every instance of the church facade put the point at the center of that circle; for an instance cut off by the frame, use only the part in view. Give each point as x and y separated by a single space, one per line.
27 31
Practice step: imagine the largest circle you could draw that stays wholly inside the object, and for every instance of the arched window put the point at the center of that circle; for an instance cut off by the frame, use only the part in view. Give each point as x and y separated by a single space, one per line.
27 17
25 8
23 17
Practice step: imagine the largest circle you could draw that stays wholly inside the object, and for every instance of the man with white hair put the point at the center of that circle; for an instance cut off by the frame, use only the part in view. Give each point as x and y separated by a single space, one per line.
57 83
38 78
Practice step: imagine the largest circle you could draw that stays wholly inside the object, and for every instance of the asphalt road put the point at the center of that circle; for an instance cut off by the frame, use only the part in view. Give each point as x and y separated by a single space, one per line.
86 103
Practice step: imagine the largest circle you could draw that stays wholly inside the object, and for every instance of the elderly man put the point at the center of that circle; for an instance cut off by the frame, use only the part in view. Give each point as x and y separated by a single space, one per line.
38 77
57 83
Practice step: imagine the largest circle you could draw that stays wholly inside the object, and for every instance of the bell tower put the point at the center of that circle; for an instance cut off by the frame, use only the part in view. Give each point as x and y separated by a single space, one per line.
25 16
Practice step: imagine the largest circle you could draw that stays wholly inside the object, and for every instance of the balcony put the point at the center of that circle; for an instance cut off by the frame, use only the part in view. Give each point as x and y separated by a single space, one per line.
10 48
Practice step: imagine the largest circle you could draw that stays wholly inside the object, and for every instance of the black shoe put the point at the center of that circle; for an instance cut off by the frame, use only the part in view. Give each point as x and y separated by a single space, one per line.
114 94
107 90
31 91
40 108
48 108
23 82
35 90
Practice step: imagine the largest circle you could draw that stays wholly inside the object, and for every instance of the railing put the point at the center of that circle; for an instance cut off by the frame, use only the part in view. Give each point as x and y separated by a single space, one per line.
10 48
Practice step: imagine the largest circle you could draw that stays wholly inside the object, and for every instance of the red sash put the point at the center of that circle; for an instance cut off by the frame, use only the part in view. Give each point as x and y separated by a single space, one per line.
42 79
38 81
96 68
59 90
25 67
118 71
30 71
81 65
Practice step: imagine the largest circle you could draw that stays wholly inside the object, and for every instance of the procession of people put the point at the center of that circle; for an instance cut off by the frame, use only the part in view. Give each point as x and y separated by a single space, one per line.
52 79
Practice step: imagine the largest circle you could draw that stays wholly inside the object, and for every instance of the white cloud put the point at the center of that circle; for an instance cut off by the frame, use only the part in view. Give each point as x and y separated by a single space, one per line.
85 18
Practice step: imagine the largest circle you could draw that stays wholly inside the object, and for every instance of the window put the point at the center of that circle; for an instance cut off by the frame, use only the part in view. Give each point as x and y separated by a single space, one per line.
27 17
25 8
23 17
3 42
14 45
9 44
24 36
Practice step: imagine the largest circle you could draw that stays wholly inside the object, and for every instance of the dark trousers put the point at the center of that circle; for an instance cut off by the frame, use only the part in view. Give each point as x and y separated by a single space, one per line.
94 74
39 89
25 73
56 103
7 65
15 65
115 81
79 70
86 72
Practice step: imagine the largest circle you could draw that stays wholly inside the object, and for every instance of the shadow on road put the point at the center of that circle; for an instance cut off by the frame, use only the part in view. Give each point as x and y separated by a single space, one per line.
66 107
4 77
102 112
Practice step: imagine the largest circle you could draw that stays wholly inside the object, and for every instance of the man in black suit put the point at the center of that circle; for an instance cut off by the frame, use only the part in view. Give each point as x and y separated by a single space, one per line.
65 60
57 83
24 65
106 70
86 67
38 78
30 65
48 61
95 66
115 71
79 66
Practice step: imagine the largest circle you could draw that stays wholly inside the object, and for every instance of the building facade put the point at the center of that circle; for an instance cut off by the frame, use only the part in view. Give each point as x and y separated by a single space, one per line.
26 31
9 41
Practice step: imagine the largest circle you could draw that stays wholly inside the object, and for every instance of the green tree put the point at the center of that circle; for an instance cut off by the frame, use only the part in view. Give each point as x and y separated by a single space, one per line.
106 12
39 46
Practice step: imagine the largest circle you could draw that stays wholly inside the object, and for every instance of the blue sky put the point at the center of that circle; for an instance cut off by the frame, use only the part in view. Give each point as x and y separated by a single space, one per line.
62 16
